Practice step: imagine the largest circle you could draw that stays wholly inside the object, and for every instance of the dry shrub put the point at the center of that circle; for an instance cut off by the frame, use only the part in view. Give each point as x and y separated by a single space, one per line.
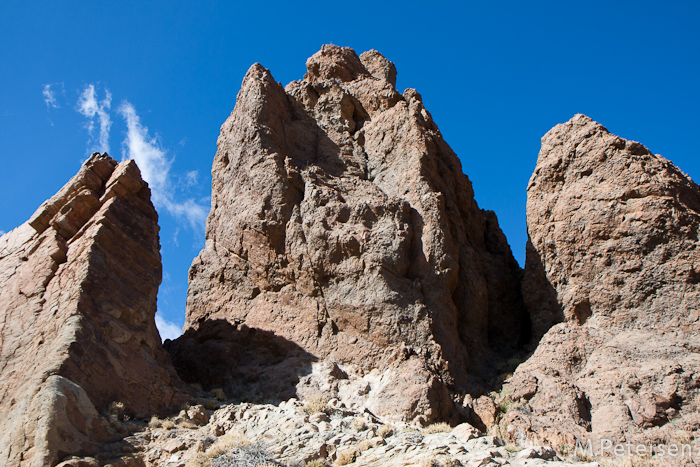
441 427
385 431
155 422
364 445
187 424
315 404
317 463
346 456
359 424
227 442
199 460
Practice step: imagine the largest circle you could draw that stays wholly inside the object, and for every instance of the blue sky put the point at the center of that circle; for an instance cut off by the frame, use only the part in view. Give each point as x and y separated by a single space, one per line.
155 80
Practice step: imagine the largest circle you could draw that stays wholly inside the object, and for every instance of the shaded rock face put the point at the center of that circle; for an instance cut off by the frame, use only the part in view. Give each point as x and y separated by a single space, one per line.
341 221
614 256
77 305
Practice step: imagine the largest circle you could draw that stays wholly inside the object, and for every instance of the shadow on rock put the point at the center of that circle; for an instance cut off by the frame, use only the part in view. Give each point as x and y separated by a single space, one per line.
249 364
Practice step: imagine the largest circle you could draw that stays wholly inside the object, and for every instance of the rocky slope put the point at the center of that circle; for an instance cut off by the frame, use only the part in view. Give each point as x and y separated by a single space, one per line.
312 433
614 256
77 305
343 228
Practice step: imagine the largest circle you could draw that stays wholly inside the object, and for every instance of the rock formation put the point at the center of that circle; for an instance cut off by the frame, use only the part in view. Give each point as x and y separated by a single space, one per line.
77 305
341 222
614 255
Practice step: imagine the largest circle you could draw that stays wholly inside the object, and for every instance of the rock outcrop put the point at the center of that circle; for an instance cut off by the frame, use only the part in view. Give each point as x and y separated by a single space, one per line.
614 258
77 305
341 222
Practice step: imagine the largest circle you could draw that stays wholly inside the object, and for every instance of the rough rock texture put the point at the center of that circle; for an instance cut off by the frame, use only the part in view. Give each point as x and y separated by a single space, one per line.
341 221
614 255
292 435
77 305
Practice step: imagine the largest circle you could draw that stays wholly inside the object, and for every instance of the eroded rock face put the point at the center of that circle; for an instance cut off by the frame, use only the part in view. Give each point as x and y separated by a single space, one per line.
614 256
77 305
341 221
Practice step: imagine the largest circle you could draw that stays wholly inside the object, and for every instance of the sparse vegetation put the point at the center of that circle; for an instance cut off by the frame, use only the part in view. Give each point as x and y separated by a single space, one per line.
346 456
317 463
440 427
187 424
385 431
364 445
315 404
226 443
155 422
199 460
251 455
358 424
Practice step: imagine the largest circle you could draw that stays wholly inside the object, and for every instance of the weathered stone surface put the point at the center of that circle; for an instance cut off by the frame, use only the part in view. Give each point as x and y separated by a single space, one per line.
77 305
614 256
285 435
341 221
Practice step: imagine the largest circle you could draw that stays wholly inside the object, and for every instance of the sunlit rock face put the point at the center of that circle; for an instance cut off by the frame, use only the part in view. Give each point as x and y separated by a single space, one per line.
77 305
614 257
342 223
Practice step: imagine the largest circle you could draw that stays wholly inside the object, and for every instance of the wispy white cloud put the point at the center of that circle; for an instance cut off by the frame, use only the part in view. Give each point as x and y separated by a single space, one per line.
50 97
192 178
176 242
91 108
155 165
167 329
2 232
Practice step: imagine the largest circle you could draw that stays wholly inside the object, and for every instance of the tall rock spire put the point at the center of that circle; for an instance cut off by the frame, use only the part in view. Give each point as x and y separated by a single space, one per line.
341 222
77 305
614 259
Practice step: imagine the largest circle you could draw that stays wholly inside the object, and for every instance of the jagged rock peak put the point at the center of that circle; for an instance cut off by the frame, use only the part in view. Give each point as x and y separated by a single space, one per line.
614 257
77 310
344 231
613 212
342 63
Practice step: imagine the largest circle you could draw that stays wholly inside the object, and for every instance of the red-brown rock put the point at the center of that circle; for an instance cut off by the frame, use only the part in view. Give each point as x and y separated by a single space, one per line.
614 256
341 221
77 305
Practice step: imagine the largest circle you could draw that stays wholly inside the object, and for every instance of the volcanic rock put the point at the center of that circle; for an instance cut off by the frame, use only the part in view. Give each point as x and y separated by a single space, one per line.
77 305
614 256
342 223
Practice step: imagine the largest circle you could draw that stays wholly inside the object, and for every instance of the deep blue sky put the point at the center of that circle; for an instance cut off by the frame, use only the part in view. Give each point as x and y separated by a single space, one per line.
496 76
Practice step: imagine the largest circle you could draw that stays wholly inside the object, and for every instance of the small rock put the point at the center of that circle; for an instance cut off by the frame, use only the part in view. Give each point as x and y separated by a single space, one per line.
540 452
198 415
174 445
318 417
324 426
465 432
